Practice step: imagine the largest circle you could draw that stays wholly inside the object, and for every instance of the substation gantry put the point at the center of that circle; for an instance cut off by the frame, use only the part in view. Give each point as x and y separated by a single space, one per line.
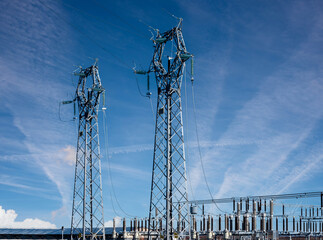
87 214
169 211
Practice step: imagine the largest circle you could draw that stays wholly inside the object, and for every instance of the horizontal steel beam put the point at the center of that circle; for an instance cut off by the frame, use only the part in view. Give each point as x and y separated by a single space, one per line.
279 196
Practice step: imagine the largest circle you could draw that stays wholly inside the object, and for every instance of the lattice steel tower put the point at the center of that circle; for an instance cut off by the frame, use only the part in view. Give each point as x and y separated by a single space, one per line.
167 216
87 213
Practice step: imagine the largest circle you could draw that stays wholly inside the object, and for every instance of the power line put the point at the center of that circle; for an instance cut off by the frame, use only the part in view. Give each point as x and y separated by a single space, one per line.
59 114
146 96
199 149
107 157
186 127
140 92
152 108
108 161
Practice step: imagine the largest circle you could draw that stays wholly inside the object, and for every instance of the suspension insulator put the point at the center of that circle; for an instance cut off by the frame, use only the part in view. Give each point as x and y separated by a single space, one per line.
192 68
142 72
103 98
185 56
160 40
98 89
81 74
67 102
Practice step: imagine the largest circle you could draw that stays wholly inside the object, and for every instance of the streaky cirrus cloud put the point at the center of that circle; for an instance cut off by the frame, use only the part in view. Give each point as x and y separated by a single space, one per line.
278 121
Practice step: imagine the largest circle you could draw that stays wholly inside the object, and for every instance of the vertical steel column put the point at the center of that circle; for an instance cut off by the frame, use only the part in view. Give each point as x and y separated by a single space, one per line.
168 178
84 187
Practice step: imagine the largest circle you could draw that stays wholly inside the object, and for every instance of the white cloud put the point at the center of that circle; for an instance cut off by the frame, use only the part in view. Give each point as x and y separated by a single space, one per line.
70 155
118 222
8 220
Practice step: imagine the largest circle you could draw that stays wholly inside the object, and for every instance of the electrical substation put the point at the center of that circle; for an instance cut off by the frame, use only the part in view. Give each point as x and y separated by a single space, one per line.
171 214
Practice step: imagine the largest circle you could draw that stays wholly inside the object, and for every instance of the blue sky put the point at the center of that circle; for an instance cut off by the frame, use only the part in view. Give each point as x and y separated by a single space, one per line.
258 89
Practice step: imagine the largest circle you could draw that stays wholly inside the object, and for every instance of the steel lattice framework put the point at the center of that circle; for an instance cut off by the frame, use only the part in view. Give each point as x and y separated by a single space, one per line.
167 217
87 214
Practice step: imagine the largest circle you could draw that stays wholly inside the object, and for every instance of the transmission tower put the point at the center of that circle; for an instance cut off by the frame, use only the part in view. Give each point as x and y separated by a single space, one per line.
87 214
168 214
